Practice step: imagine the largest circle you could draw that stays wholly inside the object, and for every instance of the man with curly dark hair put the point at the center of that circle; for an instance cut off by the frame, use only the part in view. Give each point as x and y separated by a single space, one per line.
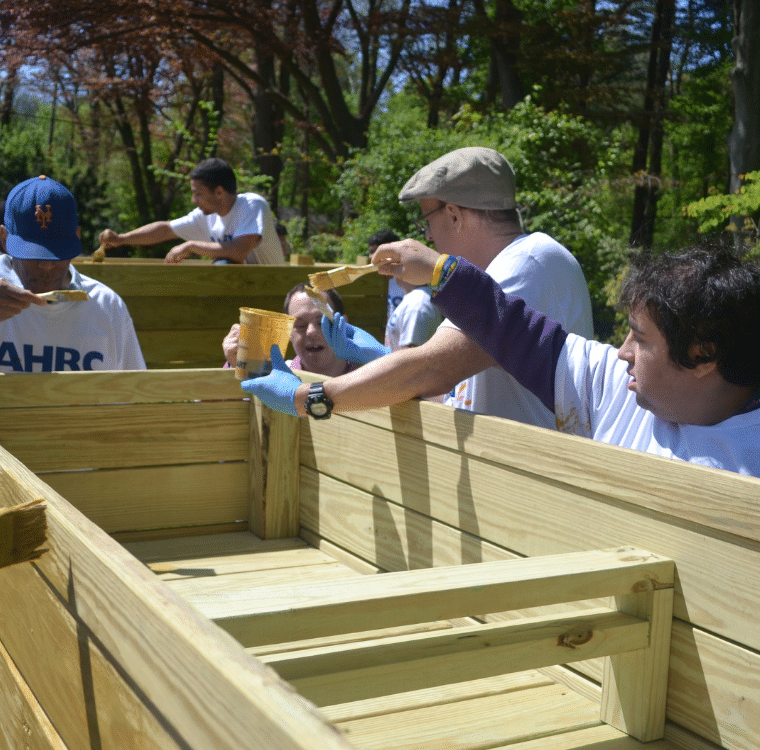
685 384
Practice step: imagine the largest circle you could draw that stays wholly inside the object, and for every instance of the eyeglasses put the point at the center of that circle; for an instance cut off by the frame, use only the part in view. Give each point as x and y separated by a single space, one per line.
422 224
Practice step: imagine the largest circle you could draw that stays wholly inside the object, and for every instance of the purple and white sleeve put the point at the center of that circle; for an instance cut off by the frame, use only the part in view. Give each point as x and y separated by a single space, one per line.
523 341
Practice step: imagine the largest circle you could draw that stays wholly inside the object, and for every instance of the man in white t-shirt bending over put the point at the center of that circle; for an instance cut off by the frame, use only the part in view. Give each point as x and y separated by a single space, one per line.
228 226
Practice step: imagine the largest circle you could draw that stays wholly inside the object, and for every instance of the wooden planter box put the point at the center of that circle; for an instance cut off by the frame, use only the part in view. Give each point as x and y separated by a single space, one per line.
182 312
217 579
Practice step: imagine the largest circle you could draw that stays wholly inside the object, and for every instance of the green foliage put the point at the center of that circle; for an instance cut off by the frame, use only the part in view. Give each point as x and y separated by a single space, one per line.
400 144
22 154
720 211
325 247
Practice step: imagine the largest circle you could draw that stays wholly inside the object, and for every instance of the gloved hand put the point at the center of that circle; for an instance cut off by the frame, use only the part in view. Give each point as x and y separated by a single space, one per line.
350 342
278 389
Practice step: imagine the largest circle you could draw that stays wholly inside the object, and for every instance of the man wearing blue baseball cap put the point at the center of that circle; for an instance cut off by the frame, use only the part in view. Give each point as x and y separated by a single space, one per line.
87 326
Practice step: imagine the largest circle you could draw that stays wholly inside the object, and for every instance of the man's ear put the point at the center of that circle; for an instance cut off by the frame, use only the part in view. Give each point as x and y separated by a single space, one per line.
454 214
3 235
703 353
79 233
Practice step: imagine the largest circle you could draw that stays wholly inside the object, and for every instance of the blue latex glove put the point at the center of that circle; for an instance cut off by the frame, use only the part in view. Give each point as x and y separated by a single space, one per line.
278 389
351 343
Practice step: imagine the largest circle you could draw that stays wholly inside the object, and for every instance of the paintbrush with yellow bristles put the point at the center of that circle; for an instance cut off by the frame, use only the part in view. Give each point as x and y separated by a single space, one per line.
320 302
23 528
338 276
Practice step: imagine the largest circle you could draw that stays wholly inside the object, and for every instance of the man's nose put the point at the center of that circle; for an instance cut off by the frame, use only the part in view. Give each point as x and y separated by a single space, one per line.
626 352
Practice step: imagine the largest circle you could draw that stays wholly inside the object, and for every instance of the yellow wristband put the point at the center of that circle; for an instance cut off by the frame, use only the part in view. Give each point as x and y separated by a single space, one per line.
438 270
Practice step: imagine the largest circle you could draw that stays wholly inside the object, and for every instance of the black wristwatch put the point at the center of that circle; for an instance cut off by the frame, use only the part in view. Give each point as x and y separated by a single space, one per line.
317 404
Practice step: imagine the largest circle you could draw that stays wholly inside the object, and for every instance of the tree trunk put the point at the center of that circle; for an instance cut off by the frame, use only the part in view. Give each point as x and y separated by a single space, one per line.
505 42
744 139
649 145
268 127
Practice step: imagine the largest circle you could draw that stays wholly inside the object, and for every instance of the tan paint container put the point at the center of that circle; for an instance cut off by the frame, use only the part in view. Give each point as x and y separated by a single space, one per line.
259 331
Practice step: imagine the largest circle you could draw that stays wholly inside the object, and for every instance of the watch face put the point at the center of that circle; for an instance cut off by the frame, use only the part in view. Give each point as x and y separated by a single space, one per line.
317 408
317 403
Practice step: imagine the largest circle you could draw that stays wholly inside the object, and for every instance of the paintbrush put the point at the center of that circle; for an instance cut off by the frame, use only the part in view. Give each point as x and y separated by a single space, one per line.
63 295
23 528
320 303
338 276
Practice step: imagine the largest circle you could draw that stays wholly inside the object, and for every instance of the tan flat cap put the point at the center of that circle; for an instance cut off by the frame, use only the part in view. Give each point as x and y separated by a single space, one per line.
472 177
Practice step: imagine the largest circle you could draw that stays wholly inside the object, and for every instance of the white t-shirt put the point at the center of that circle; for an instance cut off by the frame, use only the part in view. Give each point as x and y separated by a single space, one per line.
549 279
395 295
414 321
250 214
593 400
93 334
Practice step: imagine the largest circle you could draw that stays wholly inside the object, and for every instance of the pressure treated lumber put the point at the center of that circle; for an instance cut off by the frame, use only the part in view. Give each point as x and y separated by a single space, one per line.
278 613
273 479
337 674
32 730
478 723
560 505
122 610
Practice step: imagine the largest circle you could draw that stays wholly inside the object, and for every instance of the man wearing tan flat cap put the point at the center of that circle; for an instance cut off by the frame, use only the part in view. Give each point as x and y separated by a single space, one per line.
468 209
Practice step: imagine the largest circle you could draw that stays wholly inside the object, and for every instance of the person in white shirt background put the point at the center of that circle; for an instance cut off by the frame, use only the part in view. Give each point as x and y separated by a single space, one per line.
227 226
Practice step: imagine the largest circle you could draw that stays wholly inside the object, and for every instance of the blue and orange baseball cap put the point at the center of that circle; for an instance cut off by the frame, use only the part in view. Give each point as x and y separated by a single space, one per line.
42 220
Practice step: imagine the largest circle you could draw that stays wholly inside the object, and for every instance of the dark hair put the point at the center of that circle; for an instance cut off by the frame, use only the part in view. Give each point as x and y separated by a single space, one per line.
702 295
383 236
332 295
215 173
281 229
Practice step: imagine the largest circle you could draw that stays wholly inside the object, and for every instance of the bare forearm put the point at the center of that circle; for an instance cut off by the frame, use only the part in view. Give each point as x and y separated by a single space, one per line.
150 234
425 371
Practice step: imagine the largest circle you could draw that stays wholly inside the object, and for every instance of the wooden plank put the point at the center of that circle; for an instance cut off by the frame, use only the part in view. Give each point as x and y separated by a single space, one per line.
228 565
413 699
201 348
183 313
178 531
545 516
158 280
698 495
102 437
383 533
334 640
635 685
274 475
201 313
184 548
122 387
478 723
23 723
83 690
683 739
713 688
338 553
157 497
594 738
338 674
279 612
210 693
201 590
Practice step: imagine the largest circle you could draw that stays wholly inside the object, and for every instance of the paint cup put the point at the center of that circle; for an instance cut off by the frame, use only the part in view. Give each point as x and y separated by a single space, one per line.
259 331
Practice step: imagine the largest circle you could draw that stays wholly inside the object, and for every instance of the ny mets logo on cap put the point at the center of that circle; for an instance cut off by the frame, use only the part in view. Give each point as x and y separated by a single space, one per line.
42 221
43 217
